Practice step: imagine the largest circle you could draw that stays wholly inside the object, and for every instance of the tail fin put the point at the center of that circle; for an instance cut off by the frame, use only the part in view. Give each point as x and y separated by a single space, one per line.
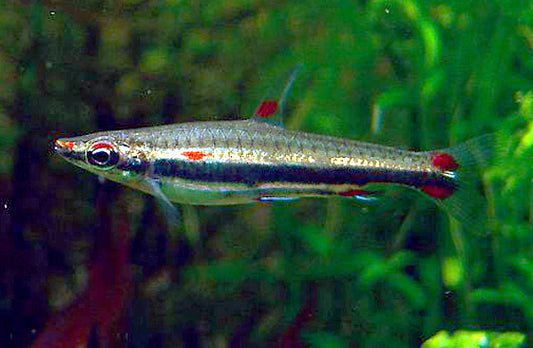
469 203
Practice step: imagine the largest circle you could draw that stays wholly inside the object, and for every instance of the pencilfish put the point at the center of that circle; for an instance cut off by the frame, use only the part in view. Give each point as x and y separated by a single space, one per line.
233 162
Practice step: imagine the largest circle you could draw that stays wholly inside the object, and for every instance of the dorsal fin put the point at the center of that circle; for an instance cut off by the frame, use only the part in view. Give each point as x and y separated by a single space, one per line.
270 109
267 109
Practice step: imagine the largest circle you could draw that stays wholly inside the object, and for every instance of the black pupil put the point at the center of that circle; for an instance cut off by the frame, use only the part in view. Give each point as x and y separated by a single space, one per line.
103 157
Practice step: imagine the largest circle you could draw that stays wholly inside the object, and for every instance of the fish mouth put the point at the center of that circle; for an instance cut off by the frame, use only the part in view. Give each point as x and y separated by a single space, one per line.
67 149
62 147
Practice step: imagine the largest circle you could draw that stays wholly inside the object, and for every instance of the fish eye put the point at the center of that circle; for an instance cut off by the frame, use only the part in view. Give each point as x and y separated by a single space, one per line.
103 155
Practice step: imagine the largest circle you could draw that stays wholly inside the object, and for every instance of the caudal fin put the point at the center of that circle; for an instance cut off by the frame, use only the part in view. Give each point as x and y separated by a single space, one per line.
469 203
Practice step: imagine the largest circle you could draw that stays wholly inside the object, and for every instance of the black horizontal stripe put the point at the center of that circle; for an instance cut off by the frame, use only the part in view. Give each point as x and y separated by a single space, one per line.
259 173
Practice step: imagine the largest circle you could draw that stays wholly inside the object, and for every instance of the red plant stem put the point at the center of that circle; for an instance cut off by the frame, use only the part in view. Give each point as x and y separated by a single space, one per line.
291 337
108 294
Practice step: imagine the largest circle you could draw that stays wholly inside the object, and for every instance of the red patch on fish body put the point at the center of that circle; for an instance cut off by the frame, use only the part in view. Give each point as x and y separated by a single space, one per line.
438 192
444 161
194 155
267 109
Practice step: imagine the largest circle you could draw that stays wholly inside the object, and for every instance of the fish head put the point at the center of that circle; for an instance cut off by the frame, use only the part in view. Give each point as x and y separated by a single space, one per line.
111 155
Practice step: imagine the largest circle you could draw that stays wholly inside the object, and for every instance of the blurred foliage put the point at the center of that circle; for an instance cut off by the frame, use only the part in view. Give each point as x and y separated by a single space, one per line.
472 339
320 273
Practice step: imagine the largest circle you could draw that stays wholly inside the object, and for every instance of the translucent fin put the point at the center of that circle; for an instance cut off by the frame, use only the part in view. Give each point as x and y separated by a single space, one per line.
101 179
468 202
171 212
272 106
366 199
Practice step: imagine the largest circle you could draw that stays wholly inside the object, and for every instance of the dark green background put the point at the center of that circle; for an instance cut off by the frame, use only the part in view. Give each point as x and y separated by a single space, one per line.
413 74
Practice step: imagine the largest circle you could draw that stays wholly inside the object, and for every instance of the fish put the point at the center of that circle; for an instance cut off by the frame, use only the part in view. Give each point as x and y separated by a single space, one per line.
258 160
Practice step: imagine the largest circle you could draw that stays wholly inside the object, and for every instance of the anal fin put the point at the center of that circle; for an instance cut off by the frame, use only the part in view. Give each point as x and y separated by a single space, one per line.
277 199
362 196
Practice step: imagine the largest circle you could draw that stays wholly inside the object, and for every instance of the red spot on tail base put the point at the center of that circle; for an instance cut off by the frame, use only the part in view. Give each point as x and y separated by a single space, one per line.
444 161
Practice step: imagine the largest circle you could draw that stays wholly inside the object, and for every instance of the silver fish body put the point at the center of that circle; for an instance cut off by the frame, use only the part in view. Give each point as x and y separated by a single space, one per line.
231 162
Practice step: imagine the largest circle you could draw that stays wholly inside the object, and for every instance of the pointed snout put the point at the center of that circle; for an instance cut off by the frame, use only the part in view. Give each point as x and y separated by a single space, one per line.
62 147
60 144
68 149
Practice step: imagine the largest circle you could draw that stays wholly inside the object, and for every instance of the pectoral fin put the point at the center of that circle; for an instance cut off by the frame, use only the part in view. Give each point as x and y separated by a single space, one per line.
171 212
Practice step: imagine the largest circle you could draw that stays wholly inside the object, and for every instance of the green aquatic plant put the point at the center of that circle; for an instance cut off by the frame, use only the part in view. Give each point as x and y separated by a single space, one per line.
412 74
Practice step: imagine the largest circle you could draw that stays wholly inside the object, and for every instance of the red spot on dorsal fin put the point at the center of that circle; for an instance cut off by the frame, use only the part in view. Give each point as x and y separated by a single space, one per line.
194 155
438 192
267 108
444 161
353 193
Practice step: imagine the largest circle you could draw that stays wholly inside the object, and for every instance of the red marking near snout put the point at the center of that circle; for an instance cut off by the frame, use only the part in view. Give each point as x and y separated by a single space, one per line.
438 192
444 161
194 155
65 144
353 193
267 108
